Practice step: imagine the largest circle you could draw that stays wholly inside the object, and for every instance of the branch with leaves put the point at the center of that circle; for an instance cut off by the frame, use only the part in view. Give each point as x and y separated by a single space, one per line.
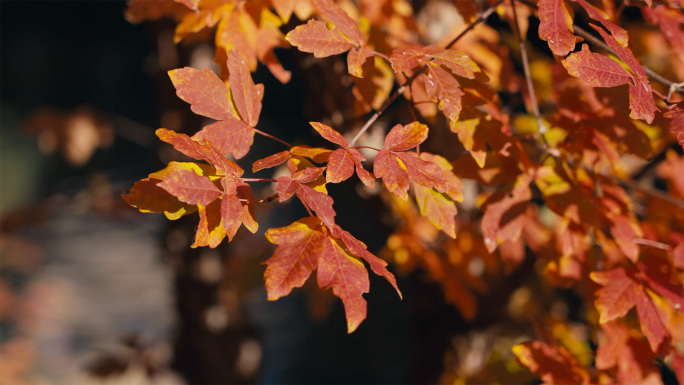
551 190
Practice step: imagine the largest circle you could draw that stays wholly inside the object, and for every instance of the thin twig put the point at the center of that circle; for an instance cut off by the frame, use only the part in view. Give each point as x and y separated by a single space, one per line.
649 191
272 137
415 75
648 242
541 128
257 180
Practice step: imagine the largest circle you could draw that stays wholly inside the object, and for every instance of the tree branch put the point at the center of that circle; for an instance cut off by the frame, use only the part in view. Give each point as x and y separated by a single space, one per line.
415 75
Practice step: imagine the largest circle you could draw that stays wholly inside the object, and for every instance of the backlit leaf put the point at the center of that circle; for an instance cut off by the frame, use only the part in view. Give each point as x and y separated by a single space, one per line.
596 70
348 279
556 26
191 188
618 295
228 136
443 87
246 95
554 365
340 166
316 38
330 134
652 325
147 196
598 15
299 248
676 127
207 94
406 58
334 14
504 213
200 151
271 161
356 59
406 137
458 62
438 208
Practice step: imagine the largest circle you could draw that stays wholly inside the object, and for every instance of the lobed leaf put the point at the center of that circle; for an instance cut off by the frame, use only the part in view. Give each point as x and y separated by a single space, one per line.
443 87
207 94
406 137
316 38
458 62
676 127
271 161
596 70
246 95
555 26
356 59
334 14
406 58
190 188
228 136
438 208
598 15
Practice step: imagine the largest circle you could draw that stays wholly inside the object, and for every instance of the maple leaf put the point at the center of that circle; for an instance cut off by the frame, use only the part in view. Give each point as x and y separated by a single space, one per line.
334 14
356 59
676 127
210 97
246 95
596 70
271 161
504 213
619 294
406 58
315 200
284 8
554 365
641 101
619 348
306 245
190 188
341 162
438 208
200 151
443 87
207 94
315 37
397 168
598 15
555 26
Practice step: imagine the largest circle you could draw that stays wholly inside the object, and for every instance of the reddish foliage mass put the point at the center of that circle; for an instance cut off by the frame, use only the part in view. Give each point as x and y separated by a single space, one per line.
550 153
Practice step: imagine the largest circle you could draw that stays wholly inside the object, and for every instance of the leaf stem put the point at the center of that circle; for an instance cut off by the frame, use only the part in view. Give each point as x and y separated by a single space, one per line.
369 147
272 137
648 242
257 180
483 16
265 200
541 128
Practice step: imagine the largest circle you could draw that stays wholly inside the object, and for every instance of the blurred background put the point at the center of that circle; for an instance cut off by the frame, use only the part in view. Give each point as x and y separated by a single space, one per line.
92 291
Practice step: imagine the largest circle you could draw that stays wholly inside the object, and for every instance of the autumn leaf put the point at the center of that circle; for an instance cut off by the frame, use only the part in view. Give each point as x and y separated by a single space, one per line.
341 162
284 8
246 95
316 38
618 32
200 151
554 365
356 59
458 62
397 168
207 94
443 87
271 161
334 14
406 58
555 26
619 294
438 208
596 70
299 247
306 245
228 136
148 197
190 188
504 213
676 127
